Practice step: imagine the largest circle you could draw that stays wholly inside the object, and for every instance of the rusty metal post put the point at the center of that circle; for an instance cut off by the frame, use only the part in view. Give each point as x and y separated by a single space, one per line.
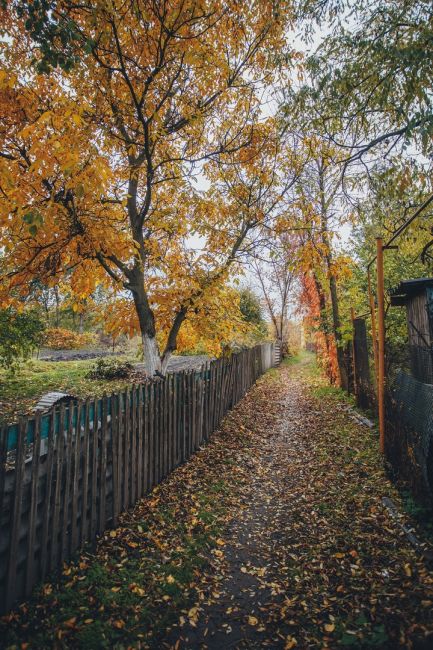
373 326
381 344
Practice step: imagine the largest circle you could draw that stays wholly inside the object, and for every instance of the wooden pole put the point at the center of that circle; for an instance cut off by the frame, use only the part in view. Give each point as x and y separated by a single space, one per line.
352 316
381 342
373 327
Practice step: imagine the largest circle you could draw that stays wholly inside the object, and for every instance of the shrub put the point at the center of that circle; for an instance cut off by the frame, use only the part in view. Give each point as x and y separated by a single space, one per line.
110 369
58 338
20 334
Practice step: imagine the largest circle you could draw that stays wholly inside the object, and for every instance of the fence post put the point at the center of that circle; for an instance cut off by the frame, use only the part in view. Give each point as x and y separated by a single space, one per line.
355 386
381 341
373 327
361 371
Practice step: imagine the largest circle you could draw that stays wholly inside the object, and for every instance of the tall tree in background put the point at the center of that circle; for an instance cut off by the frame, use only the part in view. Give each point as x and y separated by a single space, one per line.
321 200
275 274
94 162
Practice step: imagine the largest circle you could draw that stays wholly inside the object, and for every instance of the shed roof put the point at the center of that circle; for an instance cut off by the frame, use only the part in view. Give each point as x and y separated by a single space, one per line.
409 288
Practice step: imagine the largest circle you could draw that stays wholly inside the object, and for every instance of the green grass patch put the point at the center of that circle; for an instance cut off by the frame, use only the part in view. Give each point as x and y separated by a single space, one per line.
21 390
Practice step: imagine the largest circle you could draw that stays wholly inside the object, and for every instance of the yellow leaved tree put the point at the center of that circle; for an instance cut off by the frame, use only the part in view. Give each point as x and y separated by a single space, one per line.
96 156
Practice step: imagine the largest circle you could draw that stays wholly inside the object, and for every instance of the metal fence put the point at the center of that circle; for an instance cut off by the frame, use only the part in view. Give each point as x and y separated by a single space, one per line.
408 405
66 476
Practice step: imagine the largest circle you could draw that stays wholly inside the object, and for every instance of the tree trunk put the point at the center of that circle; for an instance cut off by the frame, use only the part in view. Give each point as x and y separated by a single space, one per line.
336 325
146 319
152 360
57 299
324 323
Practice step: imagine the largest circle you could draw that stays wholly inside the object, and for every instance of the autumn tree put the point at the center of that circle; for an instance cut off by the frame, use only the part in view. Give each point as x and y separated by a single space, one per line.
275 273
95 156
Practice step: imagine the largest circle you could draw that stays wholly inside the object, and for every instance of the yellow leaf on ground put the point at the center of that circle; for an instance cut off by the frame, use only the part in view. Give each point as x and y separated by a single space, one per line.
119 624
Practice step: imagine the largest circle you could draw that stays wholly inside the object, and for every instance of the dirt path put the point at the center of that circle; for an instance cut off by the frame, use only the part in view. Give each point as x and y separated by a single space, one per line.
272 536
313 560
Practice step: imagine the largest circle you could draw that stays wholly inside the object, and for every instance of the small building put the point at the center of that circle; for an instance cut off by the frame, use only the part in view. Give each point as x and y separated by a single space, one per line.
417 297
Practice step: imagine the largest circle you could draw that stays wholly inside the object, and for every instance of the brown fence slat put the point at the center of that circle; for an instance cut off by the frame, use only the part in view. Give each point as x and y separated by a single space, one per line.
31 537
11 585
86 467
76 482
103 474
64 546
60 444
94 475
114 458
120 442
133 495
48 501
140 430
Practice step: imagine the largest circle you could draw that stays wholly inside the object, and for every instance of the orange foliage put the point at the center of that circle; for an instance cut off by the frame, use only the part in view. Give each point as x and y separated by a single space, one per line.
324 341
58 338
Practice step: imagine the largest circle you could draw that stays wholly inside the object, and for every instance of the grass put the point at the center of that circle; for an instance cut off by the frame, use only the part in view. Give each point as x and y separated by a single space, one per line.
20 391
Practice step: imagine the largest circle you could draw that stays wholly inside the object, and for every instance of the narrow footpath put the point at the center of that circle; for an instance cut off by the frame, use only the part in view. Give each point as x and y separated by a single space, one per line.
272 536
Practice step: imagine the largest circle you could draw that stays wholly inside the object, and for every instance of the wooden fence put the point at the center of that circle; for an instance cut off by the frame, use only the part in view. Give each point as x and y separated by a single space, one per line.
66 476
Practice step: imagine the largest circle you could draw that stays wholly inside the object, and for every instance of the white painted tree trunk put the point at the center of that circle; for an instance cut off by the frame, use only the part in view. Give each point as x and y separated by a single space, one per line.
165 360
152 359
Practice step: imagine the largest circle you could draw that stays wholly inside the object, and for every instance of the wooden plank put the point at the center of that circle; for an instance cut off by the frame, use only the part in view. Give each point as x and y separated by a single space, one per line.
133 496
103 473
46 529
76 482
211 396
164 424
120 449
187 415
127 449
115 456
192 411
171 434
60 445
162 430
201 407
145 415
94 474
140 433
169 421
3 455
36 457
176 420
65 548
151 417
158 432
184 417
11 580
85 528
207 402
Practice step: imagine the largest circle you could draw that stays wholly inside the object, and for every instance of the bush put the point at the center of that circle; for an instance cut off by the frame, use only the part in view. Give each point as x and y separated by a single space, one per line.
20 334
110 369
58 338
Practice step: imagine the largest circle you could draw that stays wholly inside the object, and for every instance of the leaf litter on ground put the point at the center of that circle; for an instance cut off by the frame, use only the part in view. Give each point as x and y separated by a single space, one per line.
274 535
